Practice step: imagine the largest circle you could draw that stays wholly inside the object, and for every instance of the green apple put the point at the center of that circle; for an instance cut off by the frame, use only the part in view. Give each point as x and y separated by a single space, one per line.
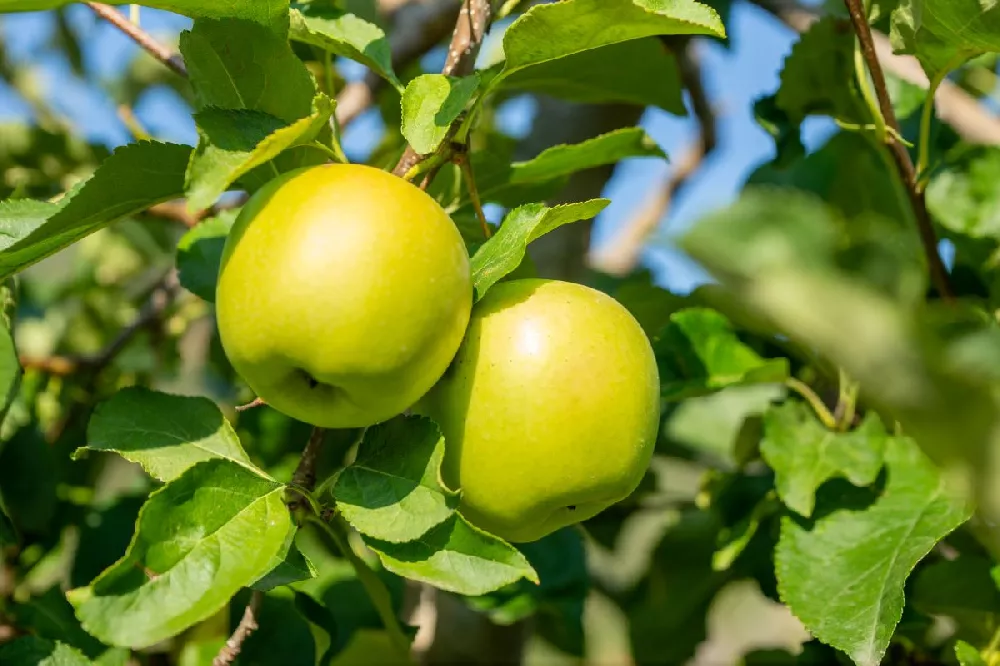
550 409
343 294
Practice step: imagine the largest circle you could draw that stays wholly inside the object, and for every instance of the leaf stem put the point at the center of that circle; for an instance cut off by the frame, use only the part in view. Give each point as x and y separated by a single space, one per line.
926 114
867 93
465 164
336 154
376 589
814 401
846 402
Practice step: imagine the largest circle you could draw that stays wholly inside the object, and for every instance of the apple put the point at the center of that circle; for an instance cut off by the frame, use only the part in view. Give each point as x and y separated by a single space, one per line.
343 294
550 409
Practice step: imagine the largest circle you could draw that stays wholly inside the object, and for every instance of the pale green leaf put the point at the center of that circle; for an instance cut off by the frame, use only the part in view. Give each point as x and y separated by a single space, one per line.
132 179
393 490
503 253
35 651
166 434
968 655
431 103
457 557
964 194
843 574
236 141
345 35
608 148
699 352
199 254
943 35
19 217
288 566
199 539
270 13
804 454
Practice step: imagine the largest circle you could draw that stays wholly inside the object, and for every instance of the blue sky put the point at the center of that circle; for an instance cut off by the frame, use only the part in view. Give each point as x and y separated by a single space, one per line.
736 76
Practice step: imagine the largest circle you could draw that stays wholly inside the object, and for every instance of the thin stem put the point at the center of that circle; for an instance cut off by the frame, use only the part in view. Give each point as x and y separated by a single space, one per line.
465 164
373 585
133 14
256 402
814 401
140 37
846 402
508 8
926 115
867 93
928 237
333 153
248 625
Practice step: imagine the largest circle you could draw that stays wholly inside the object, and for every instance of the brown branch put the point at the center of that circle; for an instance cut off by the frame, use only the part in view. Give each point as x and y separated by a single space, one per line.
470 29
928 237
140 37
256 402
622 253
305 472
248 625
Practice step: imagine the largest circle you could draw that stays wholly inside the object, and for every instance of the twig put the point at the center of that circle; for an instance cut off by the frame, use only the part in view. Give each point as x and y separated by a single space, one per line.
140 37
465 164
939 275
470 29
256 402
305 472
622 253
248 625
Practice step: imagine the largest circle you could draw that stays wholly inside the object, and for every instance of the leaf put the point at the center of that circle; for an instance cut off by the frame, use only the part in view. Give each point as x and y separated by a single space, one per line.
240 65
49 615
10 364
290 566
640 71
345 35
132 179
962 590
8 535
166 434
270 13
698 352
431 103
963 195
199 539
968 655
393 490
605 149
199 254
944 35
456 557
804 454
104 535
35 651
843 574
548 32
235 141
29 480
503 253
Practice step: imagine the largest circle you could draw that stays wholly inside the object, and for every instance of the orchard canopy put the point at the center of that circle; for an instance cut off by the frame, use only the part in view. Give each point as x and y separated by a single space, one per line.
531 332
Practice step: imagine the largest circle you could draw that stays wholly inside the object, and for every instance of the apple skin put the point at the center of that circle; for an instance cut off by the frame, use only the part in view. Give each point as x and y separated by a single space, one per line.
552 402
343 294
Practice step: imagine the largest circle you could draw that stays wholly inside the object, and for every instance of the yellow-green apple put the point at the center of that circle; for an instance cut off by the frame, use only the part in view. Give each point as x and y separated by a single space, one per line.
550 409
343 294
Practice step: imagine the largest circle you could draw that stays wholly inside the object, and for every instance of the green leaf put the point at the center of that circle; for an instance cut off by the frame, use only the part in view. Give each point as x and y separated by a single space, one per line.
640 71
29 479
134 178
345 35
944 35
698 352
605 149
843 574
290 566
233 142
962 590
431 103
548 32
240 65
10 364
49 615
199 254
8 535
804 454
503 253
199 539
105 534
166 434
968 655
964 194
456 557
393 490
35 651
18 217
270 13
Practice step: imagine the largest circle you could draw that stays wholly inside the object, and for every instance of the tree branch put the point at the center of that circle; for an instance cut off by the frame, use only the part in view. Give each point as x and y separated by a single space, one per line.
248 625
470 29
140 37
622 253
928 237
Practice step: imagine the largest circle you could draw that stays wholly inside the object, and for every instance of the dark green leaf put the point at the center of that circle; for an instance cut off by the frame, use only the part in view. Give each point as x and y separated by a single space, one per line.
134 178
457 557
35 651
49 615
944 35
962 590
431 103
608 148
8 535
29 477
843 574
503 253
199 539
804 454
104 536
164 433
345 35
288 566
199 254
393 490
698 352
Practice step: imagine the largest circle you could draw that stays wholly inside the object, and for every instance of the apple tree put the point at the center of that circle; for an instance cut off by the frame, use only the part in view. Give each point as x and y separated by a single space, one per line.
266 400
